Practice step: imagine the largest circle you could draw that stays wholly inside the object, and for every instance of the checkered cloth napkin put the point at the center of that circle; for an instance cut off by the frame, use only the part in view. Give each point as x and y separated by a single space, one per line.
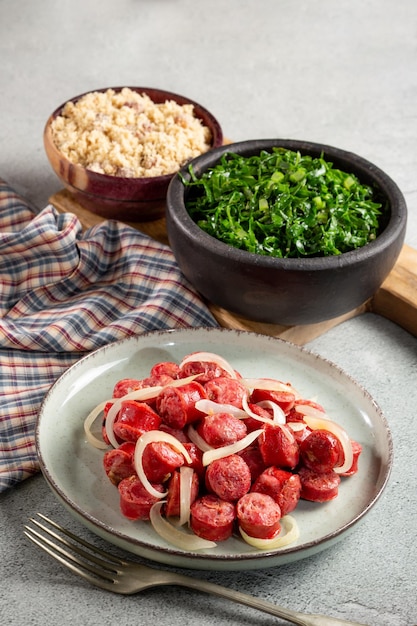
64 293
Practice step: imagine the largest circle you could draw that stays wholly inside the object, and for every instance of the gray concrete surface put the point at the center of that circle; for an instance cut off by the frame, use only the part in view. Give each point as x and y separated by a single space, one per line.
344 73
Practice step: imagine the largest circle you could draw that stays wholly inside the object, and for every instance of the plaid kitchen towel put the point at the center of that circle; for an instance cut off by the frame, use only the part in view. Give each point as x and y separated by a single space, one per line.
64 293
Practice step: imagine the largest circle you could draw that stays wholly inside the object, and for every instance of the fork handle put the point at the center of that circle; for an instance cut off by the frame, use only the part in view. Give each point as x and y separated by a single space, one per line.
295 617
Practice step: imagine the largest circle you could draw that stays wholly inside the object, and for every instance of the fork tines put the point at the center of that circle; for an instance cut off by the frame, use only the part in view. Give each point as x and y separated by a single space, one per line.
75 553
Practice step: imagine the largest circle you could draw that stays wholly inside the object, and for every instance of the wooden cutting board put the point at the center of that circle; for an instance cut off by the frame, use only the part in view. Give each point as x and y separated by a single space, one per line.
396 299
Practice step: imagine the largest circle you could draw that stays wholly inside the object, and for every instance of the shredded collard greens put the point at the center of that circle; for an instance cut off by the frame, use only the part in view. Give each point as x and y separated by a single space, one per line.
283 204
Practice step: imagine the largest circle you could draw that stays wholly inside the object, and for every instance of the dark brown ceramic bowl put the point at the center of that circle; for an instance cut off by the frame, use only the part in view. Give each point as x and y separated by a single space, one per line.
294 290
131 199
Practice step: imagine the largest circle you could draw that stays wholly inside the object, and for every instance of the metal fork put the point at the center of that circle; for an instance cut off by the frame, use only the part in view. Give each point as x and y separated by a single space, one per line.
127 577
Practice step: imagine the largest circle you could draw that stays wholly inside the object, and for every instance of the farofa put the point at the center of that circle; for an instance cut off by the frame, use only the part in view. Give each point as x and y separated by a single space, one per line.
126 134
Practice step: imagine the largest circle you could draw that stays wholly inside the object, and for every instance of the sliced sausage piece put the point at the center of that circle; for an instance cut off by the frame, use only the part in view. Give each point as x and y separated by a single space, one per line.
251 422
212 518
259 515
283 487
205 370
135 501
165 368
159 460
295 416
118 462
229 477
252 456
176 405
196 459
284 399
318 487
221 429
278 446
226 390
357 450
321 451
134 419
173 499
124 386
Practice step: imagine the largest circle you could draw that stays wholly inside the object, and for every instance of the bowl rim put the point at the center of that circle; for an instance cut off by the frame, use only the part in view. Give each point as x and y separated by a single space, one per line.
215 128
394 229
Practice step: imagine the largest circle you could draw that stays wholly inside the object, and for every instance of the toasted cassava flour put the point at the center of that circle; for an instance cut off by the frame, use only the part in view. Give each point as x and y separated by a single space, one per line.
126 134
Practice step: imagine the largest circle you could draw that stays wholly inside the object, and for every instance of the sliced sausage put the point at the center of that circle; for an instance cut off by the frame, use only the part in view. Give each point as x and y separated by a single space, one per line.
226 390
134 419
118 462
252 456
283 487
165 368
176 405
173 498
159 460
135 501
278 446
357 450
221 429
212 518
318 487
321 451
205 370
229 477
259 515
284 399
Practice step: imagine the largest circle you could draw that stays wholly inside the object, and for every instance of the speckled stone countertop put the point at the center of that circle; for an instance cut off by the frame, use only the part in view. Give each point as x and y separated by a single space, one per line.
341 73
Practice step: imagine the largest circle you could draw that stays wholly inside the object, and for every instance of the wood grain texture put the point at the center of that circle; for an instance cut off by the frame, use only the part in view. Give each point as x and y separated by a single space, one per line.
396 299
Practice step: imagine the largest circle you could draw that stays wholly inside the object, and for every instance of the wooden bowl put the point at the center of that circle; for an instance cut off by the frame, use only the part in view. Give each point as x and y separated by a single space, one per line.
125 198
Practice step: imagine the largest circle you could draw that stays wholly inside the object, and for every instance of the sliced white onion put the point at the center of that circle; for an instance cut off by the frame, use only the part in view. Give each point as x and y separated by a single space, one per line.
209 407
110 419
325 423
178 382
175 536
297 426
287 432
278 413
186 482
312 411
292 533
233 448
198 439
209 357
88 424
250 413
154 436
269 384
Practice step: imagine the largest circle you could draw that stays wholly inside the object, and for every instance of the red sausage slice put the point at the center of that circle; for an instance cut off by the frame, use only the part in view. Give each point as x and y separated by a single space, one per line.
225 390
229 477
318 487
135 501
159 460
212 518
278 446
321 451
221 429
357 450
259 515
172 507
284 399
283 487
118 462
176 405
134 419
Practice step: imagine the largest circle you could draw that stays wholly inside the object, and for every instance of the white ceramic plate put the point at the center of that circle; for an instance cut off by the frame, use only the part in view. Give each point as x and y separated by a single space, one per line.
74 469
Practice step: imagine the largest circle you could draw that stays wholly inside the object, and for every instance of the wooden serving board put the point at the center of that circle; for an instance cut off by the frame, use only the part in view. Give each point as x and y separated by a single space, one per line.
396 299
